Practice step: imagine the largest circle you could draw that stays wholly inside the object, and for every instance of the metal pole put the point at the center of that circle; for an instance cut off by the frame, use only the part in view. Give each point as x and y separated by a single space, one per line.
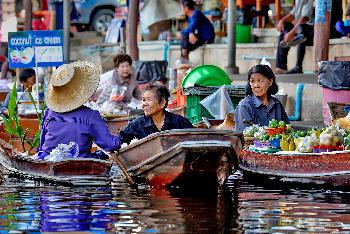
231 66
66 30
132 26
28 15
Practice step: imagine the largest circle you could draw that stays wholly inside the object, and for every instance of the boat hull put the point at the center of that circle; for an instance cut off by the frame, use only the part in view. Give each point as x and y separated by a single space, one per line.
183 157
76 172
332 168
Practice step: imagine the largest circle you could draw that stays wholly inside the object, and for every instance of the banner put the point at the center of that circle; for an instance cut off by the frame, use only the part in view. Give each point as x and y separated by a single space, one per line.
35 48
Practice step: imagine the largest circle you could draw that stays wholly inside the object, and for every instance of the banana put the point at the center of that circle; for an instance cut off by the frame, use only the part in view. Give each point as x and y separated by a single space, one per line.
291 146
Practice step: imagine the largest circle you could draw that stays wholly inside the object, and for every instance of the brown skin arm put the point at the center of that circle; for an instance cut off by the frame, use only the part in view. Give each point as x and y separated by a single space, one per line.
290 36
286 19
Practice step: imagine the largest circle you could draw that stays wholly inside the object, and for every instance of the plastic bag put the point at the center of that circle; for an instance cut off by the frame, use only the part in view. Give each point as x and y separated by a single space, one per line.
334 74
110 107
147 71
219 103
117 93
62 151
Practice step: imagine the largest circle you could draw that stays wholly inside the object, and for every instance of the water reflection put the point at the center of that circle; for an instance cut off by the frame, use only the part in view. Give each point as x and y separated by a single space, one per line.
241 207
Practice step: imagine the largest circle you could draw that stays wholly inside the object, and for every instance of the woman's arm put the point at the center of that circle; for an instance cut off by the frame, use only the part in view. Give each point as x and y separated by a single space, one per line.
101 134
243 115
127 134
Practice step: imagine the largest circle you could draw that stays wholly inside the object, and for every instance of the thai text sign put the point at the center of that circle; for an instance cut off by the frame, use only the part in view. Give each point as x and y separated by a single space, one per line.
35 48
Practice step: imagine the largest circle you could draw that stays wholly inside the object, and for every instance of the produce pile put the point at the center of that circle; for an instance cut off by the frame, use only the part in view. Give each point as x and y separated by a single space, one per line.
280 136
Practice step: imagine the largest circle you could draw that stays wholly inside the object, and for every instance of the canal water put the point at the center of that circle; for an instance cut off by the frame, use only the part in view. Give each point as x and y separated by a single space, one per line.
242 206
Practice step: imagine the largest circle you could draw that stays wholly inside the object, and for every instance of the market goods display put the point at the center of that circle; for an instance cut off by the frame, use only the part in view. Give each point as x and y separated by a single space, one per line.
281 136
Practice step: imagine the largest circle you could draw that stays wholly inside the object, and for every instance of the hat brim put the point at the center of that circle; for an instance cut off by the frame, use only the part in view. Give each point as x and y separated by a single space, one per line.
77 91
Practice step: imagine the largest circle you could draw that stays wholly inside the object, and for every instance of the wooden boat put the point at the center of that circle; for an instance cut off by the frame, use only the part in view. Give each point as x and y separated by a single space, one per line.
183 157
328 168
115 124
76 172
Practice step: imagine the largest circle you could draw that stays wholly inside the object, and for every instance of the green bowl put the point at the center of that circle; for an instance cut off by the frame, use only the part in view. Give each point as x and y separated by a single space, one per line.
206 75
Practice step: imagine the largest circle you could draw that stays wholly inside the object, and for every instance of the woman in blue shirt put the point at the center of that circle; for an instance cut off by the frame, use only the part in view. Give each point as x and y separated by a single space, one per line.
258 107
156 118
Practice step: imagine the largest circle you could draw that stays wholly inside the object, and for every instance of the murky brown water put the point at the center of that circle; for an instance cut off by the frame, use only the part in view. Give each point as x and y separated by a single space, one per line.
241 207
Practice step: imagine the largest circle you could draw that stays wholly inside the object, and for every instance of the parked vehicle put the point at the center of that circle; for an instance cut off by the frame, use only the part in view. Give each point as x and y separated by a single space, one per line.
95 14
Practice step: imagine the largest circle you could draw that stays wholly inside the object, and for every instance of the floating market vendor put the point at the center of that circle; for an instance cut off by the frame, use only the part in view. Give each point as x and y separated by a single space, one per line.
156 118
119 84
259 107
66 119
27 78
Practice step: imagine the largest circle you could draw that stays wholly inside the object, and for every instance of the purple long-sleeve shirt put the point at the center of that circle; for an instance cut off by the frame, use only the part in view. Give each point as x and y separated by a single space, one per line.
82 126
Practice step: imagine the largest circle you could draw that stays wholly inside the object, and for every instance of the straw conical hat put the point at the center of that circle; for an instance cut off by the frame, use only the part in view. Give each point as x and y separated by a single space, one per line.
71 85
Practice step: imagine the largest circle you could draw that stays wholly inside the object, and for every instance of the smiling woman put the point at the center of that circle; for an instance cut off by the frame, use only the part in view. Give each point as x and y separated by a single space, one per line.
154 101
259 107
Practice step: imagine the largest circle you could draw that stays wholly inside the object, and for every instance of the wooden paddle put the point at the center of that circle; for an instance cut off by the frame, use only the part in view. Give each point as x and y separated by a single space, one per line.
120 165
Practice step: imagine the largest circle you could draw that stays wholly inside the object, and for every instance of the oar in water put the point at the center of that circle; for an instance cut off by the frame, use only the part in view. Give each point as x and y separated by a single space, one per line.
120 165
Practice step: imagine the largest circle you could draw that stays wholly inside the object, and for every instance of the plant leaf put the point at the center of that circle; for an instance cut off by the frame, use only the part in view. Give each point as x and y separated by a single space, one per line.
12 101
33 102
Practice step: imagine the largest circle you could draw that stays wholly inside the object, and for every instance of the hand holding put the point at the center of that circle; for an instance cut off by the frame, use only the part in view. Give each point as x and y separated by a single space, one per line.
289 37
192 38
280 26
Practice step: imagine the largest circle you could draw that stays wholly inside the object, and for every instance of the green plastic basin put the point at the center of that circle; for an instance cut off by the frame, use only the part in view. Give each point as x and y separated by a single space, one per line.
206 75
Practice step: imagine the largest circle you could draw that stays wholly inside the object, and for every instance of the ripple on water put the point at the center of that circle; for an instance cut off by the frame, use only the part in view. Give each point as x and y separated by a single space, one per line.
241 207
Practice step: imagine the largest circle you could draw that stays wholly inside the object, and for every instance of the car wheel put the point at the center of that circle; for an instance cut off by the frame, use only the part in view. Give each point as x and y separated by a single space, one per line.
101 20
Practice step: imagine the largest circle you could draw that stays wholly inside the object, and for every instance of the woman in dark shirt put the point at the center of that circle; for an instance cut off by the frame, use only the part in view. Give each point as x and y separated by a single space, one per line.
258 107
156 118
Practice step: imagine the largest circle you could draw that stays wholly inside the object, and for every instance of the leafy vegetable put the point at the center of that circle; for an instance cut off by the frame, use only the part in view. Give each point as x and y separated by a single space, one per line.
12 125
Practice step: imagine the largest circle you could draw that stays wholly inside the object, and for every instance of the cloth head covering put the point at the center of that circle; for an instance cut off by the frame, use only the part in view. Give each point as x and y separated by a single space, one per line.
71 85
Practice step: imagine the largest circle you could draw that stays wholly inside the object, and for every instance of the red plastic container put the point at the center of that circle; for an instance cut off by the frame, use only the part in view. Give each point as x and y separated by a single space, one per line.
324 148
330 95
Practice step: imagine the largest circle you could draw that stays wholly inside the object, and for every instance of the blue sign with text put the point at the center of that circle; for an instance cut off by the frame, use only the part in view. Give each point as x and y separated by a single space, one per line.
35 48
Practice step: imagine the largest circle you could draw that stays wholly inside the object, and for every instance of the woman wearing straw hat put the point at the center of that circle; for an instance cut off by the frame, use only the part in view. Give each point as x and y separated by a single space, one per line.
66 119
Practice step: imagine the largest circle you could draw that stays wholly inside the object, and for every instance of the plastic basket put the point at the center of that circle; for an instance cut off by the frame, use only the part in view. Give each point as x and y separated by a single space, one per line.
195 111
276 143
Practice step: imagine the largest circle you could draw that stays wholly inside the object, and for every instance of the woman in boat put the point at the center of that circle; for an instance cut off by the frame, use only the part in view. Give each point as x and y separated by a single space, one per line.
258 107
156 118
67 119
